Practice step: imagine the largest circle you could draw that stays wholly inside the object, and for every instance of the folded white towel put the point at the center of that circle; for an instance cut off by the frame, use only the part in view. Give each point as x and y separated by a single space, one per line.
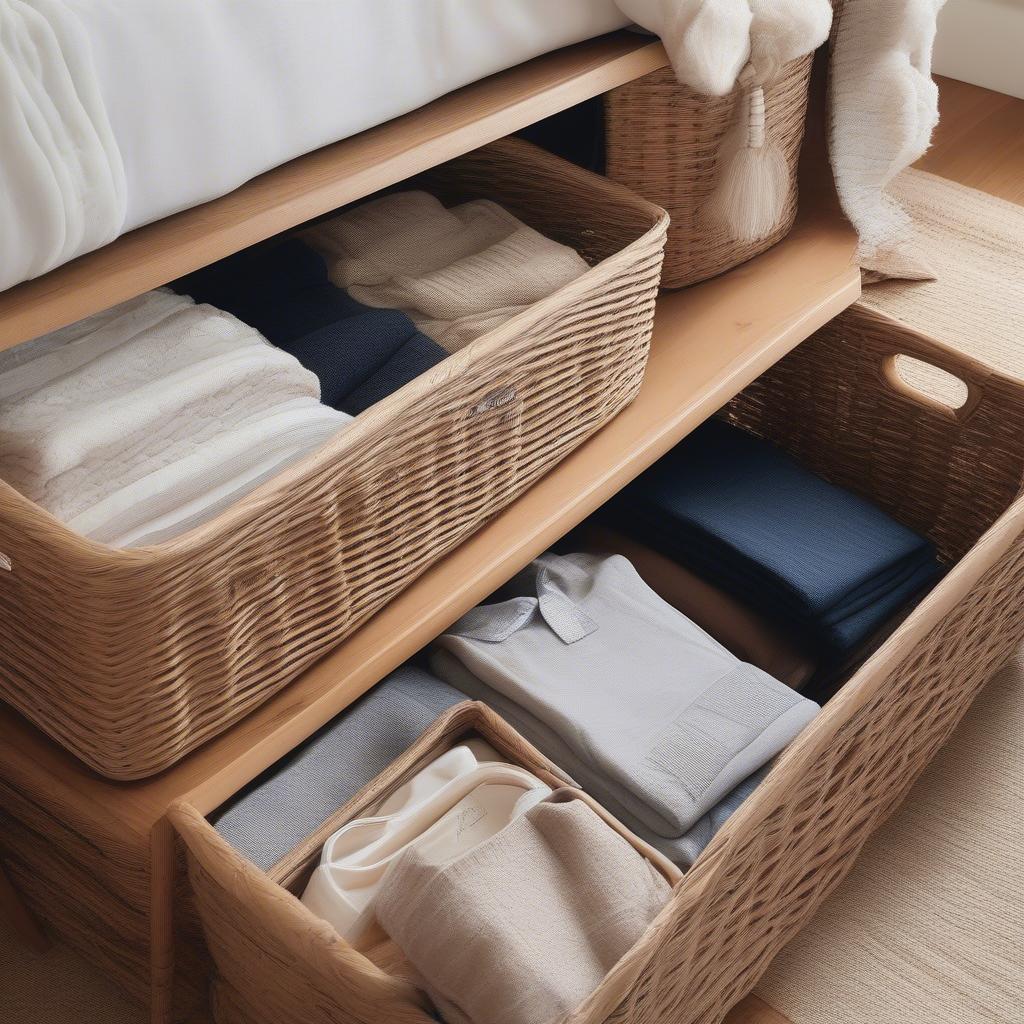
144 420
457 273
192 489
405 233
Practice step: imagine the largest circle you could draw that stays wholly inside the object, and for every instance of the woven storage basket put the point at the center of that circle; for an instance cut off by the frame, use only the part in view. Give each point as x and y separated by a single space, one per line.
131 658
663 140
306 974
837 404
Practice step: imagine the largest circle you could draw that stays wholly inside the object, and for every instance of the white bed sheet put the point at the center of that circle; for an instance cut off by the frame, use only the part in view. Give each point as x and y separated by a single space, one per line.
201 95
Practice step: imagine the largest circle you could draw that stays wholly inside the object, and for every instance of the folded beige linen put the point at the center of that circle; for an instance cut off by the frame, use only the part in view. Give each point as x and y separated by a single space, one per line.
524 927
457 273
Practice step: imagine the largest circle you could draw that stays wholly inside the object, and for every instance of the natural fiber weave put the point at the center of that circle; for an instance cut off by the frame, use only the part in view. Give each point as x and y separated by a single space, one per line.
663 141
131 658
956 476
974 242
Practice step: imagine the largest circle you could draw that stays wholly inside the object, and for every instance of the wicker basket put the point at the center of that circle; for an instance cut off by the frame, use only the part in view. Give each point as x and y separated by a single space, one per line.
663 141
131 658
307 973
838 405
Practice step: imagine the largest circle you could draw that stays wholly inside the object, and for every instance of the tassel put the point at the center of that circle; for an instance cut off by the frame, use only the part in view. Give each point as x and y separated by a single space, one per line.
753 181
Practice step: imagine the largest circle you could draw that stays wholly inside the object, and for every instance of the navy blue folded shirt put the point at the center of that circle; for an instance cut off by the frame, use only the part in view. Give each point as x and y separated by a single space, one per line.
824 564
360 354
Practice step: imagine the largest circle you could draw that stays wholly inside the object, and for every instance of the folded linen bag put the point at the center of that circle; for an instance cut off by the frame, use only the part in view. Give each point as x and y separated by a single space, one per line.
825 565
360 354
523 927
156 413
294 797
458 273
650 714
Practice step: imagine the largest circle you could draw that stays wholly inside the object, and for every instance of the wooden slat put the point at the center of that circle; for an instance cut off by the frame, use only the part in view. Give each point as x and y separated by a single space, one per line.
324 180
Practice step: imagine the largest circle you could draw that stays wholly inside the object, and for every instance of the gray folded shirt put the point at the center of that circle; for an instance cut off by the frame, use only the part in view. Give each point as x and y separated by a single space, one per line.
650 714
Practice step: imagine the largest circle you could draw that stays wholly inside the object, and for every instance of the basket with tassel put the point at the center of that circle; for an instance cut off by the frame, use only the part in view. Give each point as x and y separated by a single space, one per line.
725 167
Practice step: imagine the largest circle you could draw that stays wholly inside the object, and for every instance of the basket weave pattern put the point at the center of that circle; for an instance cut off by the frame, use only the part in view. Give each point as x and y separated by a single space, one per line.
663 140
131 658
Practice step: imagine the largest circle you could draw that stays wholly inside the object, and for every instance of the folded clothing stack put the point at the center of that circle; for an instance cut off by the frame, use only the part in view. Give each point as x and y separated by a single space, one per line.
294 797
524 925
729 621
141 422
644 709
360 354
457 272
825 567
459 800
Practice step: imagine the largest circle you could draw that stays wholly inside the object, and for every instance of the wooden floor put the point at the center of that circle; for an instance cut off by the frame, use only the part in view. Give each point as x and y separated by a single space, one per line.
979 141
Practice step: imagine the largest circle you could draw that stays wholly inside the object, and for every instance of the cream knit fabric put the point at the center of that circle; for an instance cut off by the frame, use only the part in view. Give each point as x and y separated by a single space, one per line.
524 927
457 273
884 106
975 242
707 42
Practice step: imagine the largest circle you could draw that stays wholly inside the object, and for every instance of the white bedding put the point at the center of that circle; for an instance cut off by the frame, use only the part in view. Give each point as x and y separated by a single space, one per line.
114 113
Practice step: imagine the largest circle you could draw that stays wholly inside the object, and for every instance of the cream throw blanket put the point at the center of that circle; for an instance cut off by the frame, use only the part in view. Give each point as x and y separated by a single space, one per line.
458 272
884 104
144 420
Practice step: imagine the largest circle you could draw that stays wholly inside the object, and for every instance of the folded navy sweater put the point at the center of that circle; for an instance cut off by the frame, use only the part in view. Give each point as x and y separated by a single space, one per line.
359 353
825 565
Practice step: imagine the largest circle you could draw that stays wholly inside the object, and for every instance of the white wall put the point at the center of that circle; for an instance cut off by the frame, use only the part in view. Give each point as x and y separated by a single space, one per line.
982 41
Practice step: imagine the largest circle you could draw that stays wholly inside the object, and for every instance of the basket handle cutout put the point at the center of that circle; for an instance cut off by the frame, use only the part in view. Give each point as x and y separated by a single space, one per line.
935 387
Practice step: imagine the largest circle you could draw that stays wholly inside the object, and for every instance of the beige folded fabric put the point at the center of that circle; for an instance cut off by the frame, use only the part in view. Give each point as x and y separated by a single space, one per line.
405 233
524 927
730 622
457 273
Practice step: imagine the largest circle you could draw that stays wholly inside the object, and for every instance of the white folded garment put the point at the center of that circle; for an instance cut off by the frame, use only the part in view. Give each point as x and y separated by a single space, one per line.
191 490
449 807
149 418
457 273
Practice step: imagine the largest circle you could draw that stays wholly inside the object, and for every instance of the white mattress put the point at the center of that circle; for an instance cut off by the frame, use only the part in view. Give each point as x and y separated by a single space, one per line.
120 112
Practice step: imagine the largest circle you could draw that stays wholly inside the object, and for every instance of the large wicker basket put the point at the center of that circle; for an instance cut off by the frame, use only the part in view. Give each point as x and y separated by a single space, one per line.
838 404
664 141
131 658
